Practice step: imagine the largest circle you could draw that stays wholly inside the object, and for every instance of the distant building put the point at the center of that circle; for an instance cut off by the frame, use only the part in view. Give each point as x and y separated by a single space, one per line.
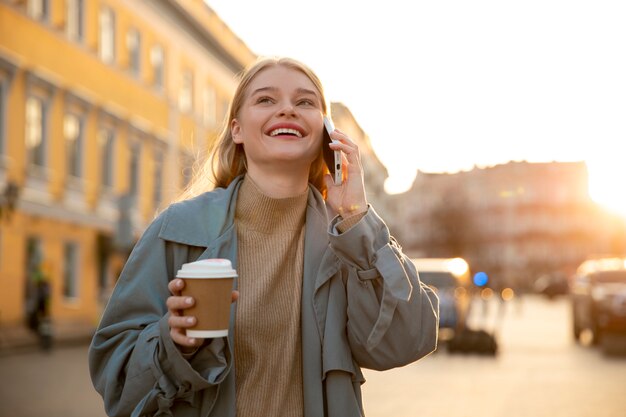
515 221
104 106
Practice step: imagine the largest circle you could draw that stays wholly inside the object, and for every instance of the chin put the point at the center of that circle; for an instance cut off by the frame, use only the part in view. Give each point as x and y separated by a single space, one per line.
302 157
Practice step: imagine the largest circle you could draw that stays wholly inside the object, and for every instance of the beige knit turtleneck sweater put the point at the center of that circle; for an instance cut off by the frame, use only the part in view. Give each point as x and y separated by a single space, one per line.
268 351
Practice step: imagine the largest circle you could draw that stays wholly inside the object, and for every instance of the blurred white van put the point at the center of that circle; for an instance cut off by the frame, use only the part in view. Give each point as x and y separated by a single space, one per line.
450 278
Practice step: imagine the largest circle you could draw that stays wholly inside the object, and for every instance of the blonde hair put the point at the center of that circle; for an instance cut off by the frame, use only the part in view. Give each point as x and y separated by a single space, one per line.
226 159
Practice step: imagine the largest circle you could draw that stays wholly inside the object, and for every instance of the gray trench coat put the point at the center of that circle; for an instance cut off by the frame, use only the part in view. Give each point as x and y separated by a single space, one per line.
362 306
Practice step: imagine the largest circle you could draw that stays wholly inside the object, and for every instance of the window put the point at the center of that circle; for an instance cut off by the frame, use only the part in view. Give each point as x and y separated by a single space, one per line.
74 13
73 133
107 35
106 139
135 150
158 178
35 131
3 110
70 270
7 72
105 244
34 255
39 92
37 9
133 45
157 60
185 97
209 110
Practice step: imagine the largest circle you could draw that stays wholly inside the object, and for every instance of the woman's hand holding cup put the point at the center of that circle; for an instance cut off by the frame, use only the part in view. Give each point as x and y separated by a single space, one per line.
178 322
176 304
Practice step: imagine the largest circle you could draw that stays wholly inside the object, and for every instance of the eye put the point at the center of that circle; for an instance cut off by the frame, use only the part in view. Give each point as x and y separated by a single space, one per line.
305 102
264 100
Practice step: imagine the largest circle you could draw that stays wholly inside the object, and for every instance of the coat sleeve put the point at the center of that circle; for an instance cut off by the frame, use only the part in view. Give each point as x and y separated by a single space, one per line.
392 317
133 362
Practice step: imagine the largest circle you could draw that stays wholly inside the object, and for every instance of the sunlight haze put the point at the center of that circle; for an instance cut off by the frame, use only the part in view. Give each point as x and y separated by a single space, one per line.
446 86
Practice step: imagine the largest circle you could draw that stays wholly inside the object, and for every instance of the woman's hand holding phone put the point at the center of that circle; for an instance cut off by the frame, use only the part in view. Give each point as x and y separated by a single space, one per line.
333 158
347 198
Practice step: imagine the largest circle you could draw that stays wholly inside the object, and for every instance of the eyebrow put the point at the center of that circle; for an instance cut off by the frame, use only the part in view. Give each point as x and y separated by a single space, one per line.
274 89
306 91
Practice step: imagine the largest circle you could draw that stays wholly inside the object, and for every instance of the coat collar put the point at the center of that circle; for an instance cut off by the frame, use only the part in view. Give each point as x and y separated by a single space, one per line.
201 220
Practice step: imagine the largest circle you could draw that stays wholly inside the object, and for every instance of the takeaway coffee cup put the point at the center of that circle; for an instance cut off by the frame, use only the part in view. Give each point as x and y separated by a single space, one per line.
210 283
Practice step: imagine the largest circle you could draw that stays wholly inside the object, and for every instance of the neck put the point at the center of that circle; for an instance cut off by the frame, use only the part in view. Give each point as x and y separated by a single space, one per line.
277 184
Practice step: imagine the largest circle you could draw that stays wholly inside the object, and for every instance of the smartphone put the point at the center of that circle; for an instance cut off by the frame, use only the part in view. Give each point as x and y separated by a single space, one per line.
332 158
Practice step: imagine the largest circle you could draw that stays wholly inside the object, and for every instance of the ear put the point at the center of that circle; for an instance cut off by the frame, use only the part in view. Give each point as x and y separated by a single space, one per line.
235 131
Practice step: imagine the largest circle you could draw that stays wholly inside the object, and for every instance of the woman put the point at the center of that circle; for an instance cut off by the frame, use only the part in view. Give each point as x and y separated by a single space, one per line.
319 296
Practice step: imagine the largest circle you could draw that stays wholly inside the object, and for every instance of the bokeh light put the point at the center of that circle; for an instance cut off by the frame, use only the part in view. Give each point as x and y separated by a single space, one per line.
507 294
486 293
458 266
481 279
459 292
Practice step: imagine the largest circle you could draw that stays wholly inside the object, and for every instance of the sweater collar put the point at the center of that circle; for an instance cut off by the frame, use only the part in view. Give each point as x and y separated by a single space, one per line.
257 211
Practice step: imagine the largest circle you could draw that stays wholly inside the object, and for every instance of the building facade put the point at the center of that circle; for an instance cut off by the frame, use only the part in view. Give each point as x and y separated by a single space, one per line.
515 221
104 106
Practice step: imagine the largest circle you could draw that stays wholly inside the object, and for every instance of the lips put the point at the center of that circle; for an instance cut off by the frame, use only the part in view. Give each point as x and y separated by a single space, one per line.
291 130
283 131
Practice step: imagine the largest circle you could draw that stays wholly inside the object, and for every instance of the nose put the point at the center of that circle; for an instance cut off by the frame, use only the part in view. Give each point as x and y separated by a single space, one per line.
287 109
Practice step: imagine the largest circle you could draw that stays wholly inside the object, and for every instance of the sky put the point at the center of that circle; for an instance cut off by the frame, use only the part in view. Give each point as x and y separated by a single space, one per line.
447 85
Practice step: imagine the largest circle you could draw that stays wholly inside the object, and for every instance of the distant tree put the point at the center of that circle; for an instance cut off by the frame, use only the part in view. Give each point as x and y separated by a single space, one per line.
451 221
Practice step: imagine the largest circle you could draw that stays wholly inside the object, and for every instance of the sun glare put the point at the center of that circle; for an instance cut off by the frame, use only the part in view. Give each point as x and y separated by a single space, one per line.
604 185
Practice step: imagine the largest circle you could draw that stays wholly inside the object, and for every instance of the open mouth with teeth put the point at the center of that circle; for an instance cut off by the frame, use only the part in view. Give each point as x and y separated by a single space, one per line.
285 132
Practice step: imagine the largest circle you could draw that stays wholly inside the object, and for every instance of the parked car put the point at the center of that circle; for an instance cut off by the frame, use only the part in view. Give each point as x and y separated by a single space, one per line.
450 278
598 293
552 285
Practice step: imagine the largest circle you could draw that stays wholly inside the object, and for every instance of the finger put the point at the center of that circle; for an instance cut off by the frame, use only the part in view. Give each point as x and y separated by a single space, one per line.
350 159
175 286
343 138
235 295
180 338
341 141
346 146
181 322
177 303
351 154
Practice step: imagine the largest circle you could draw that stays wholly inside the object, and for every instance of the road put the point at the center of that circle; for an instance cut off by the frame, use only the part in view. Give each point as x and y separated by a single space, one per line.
54 384
539 372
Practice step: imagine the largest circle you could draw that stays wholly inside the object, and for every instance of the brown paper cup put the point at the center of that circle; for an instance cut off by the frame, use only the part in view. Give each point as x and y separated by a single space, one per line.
210 283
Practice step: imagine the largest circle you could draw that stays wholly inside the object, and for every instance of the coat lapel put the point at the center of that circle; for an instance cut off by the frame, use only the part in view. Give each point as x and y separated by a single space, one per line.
318 268
204 221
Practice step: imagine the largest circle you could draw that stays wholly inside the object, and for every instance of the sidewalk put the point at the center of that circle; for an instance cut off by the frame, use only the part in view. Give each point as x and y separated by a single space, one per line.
19 339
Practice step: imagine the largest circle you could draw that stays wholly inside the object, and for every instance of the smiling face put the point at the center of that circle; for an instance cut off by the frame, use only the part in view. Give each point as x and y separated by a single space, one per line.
280 122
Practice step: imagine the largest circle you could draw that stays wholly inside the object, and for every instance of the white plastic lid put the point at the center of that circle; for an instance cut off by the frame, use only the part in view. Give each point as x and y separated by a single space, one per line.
207 268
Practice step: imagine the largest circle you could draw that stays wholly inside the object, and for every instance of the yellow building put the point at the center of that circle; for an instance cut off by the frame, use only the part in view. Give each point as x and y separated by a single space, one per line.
104 104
